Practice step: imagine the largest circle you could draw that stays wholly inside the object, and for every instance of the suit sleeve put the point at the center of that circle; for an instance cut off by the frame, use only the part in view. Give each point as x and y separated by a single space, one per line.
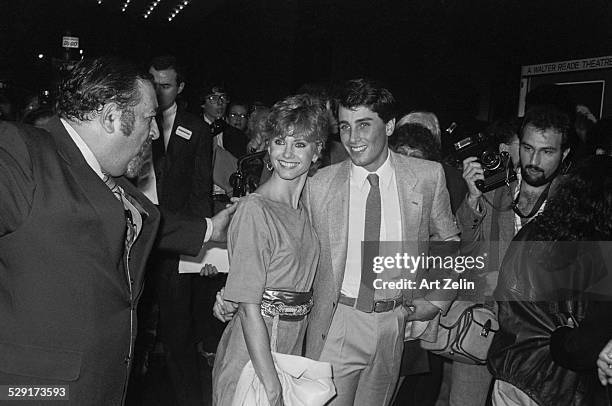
442 224
180 234
444 241
199 202
470 221
16 180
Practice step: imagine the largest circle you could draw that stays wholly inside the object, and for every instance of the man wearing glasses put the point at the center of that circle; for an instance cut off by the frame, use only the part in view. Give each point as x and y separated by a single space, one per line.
214 105
229 143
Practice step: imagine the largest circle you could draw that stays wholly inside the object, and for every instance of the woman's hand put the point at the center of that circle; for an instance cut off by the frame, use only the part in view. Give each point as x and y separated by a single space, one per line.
604 364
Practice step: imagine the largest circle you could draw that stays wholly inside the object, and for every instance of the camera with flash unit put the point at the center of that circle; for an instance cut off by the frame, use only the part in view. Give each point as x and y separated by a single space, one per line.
498 166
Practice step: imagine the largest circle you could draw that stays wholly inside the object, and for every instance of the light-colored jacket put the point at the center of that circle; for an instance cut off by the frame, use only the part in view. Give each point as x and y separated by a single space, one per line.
425 215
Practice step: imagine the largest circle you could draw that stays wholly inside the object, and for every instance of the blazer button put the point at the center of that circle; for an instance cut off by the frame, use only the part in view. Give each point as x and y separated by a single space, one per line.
126 360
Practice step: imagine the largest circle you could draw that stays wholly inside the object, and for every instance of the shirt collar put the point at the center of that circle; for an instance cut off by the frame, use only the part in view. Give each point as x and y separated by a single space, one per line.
170 111
89 156
359 175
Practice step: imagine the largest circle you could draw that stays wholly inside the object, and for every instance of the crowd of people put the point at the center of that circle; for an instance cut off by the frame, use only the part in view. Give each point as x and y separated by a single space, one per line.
105 190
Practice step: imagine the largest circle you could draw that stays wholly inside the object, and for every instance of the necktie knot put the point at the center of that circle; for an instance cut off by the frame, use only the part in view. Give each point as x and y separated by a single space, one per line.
373 179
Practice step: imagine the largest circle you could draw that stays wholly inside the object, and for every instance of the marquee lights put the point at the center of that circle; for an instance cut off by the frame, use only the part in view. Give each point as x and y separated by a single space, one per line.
177 9
150 8
125 5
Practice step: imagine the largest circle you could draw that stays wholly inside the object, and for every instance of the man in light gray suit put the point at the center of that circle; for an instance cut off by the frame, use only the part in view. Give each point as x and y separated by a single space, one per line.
362 336
376 196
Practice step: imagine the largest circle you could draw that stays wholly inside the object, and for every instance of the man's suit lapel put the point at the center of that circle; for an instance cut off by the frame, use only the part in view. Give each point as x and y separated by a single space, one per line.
97 195
337 205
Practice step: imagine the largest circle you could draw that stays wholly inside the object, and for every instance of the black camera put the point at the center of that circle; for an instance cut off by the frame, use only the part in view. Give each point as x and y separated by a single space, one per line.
498 167
246 179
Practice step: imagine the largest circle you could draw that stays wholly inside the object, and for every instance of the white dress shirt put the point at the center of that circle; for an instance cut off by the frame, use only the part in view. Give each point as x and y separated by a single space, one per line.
168 116
390 225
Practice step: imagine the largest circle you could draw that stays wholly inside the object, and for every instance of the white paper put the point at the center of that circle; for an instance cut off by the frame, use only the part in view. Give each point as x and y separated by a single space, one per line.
211 253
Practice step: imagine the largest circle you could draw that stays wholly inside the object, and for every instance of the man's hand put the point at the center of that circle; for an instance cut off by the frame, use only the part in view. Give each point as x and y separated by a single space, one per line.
604 364
208 270
424 310
222 309
472 171
220 222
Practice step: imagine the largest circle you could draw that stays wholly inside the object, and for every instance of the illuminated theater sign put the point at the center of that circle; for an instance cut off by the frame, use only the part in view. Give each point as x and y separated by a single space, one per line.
585 80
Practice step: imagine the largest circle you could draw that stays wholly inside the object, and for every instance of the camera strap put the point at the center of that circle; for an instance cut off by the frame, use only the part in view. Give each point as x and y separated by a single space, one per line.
536 207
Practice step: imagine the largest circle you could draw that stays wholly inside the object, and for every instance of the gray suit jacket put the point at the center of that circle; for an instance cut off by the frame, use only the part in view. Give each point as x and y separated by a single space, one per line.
425 216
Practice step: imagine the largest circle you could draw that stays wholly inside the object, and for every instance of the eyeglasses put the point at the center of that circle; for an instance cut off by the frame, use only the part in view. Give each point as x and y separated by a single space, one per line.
215 98
236 115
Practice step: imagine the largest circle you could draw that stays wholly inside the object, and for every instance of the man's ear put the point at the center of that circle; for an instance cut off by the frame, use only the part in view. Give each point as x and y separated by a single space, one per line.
390 127
110 118
181 87
565 154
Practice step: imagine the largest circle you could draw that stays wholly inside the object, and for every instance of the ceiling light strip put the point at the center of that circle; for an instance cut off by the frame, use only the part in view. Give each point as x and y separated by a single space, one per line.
152 6
126 4
177 9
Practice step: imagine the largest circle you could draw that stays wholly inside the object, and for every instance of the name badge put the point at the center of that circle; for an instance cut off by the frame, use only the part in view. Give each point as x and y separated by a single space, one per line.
183 132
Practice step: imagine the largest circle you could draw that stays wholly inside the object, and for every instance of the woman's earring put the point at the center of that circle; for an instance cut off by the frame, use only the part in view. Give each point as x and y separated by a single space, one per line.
269 166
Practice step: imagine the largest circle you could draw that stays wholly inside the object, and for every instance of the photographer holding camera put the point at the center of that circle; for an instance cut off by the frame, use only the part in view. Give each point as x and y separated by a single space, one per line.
489 220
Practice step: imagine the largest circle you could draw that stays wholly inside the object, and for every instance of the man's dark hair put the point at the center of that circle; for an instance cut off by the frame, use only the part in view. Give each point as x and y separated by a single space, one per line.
164 62
211 88
418 137
92 83
548 117
364 93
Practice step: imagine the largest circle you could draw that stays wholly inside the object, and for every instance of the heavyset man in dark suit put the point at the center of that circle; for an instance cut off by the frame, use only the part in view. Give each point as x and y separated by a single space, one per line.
73 252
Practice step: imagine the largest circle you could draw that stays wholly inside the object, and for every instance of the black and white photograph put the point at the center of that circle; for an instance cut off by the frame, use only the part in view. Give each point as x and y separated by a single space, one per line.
306 202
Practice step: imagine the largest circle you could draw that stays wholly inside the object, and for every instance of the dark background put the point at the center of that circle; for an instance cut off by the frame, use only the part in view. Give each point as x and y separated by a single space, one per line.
457 57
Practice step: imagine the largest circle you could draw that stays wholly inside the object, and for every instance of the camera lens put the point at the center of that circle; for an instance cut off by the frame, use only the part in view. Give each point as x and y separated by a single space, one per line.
490 159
